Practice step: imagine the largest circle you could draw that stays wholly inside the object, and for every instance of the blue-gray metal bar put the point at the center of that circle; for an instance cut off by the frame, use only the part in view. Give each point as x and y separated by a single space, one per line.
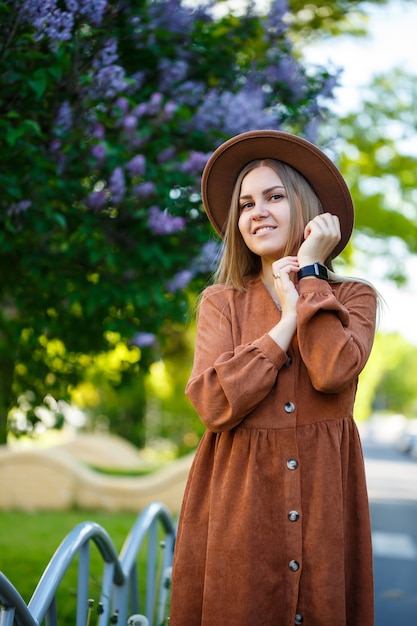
62 559
82 584
106 593
151 567
139 530
165 586
51 617
120 576
133 590
13 605
128 557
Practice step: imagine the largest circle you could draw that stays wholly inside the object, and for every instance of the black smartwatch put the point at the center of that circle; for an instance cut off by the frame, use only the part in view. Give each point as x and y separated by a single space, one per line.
317 269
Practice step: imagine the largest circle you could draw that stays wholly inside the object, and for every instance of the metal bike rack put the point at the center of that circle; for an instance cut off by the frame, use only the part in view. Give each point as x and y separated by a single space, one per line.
119 596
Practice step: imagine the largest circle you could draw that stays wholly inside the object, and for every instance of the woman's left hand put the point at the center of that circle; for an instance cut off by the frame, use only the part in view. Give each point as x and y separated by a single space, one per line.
321 235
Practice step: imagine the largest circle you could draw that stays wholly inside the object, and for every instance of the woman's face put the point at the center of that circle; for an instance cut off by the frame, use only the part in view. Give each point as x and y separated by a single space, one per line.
264 220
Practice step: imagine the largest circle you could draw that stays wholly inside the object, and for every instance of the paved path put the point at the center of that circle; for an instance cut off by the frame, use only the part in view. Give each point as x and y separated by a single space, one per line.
392 485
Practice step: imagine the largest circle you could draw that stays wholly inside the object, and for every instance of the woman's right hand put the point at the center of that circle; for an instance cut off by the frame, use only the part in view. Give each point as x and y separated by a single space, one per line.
284 271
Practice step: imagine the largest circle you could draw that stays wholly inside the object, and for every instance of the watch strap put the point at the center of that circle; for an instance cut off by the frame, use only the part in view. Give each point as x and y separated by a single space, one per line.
317 269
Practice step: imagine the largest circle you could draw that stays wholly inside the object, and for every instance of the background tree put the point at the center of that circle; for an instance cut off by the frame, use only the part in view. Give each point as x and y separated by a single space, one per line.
378 155
388 381
108 111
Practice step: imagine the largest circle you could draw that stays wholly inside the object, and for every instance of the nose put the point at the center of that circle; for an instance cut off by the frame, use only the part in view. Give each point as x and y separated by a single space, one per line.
259 210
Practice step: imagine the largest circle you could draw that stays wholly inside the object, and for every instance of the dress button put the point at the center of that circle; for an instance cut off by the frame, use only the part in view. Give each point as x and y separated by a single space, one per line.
293 516
294 565
292 464
299 619
289 407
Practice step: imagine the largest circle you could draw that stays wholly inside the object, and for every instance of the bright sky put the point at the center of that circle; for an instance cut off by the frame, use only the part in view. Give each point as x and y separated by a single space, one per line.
391 43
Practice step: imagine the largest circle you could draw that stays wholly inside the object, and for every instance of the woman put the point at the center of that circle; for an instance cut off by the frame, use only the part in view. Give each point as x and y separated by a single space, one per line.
274 528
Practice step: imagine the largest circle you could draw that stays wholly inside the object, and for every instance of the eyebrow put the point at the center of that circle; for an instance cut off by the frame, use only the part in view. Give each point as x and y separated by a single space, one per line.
265 192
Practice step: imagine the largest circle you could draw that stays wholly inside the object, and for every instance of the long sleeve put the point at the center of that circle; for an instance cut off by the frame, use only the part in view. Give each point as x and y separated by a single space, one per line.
335 335
229 379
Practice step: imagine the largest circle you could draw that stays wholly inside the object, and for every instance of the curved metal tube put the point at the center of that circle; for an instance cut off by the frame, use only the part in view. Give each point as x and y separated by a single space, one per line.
120 571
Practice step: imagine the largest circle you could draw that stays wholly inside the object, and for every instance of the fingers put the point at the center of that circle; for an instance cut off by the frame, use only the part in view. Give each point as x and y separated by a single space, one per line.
284 267
284 271
325 224
321 235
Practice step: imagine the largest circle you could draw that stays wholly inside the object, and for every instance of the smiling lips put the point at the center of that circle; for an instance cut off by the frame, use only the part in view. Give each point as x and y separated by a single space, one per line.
263 229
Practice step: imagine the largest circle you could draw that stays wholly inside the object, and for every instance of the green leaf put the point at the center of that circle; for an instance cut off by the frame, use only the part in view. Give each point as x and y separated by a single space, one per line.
60 220
38 86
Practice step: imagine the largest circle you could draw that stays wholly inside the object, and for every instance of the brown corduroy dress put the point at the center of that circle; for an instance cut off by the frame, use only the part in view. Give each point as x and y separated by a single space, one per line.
274 528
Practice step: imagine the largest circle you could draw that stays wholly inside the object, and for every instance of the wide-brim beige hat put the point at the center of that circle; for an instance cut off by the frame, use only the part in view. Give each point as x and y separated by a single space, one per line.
227 161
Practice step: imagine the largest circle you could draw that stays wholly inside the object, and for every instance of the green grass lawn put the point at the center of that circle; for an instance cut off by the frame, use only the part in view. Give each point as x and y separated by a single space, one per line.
29 540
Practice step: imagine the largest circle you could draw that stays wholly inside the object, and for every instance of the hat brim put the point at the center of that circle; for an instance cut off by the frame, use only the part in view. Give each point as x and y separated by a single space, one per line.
224 165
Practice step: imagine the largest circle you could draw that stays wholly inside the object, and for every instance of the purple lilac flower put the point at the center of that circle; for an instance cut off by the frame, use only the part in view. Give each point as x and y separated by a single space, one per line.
140 110
190 93
143 340
155 103
64 119
55 145
51 21
180 280
96 200
117 185
47 19
143 190
99 131
233 113
58 26
136 166
99 152
107 79
169 109
18 207
107 82
171 16
93 10
208 257
130 123
72 5
162 223
122 104
166 155
311 129
330 83
137 81
288 72
195 162
172 72
275 22
107 56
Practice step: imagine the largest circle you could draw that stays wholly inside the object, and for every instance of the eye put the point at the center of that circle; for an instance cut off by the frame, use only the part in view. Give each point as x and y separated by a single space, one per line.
246 205
275 197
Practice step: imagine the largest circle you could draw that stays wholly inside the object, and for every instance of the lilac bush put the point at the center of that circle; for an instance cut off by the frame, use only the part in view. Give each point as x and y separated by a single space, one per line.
162 223
108 113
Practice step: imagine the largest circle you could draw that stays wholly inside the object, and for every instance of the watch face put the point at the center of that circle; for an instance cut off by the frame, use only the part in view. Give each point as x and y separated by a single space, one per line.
317 269
321 270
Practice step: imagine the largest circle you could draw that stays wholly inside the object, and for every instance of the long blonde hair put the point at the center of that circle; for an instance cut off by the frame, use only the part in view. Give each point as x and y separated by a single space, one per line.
237 263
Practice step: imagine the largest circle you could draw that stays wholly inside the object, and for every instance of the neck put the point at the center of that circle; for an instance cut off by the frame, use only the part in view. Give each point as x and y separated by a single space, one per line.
268 281
266 275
